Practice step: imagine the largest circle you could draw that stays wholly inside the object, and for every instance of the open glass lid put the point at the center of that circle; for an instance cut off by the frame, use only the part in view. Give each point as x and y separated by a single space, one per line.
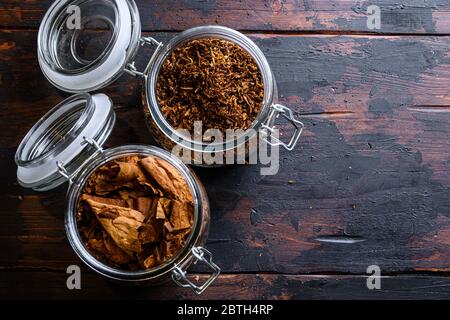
84 45
63 140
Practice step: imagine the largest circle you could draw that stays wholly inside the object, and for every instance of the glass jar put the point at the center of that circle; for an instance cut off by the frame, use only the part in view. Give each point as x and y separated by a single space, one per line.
63 52
264 122
66 145
84 45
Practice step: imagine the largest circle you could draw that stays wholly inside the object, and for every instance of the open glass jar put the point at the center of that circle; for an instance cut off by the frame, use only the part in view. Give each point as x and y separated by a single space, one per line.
75 61
66 145
264 122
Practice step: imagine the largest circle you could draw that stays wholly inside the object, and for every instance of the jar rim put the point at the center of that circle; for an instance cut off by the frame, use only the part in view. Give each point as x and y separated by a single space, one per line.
104 69
74 193
209 31
49 31
60 142
40 128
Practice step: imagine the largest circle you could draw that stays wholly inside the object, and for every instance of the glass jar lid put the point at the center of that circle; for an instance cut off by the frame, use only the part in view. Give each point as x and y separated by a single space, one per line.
84 45
63 140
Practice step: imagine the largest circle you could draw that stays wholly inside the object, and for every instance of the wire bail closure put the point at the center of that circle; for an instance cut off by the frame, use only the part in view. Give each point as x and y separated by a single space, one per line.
63 171
131 67
61 165
179 274
277 110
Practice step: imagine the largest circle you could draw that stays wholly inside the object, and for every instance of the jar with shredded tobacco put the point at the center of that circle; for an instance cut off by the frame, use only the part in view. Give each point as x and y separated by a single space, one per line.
220 78
73 62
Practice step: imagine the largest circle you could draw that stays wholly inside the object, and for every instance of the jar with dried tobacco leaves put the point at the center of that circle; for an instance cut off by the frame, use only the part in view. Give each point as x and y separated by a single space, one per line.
135 213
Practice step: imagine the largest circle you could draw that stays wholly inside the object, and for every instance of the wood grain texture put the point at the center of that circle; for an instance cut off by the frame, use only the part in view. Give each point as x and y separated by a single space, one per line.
406 16
369 182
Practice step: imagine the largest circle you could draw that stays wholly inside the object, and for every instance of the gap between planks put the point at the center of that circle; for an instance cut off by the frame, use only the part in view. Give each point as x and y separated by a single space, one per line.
280 33
430 108
324 274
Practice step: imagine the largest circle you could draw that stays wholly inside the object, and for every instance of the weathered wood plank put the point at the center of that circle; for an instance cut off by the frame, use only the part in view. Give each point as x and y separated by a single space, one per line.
52 285
274 15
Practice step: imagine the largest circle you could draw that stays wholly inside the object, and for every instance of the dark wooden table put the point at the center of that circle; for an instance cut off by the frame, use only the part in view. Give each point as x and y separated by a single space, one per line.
370 179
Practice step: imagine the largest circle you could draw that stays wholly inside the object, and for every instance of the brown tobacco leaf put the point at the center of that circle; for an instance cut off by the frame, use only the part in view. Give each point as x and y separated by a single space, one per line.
121 224
171 247
181 215
115 253
183 234
151 261
168 227
146 206
213 81
128 171
127 194
102 187
115 202
165 208
151 189
116 175
160 212
150 232
131 225
108 249
168 178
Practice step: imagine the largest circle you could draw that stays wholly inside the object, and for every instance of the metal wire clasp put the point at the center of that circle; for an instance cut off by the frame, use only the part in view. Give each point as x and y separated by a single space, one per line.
179 274
62 170
131 67
93 143
277 110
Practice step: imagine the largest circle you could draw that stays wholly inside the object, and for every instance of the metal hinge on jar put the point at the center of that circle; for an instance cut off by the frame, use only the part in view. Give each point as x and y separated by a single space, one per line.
179 274
131 67
61 166
277 110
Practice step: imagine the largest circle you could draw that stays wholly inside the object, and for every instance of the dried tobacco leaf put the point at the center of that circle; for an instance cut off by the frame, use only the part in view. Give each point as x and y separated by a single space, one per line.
160 212
213 81
151 261
108 249
111 201
123 218
150 232
181 217
168 178
145 205
121 224
117 175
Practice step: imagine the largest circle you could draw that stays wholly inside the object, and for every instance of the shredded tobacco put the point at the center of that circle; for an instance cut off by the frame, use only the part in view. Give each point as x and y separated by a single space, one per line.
135 212
213 81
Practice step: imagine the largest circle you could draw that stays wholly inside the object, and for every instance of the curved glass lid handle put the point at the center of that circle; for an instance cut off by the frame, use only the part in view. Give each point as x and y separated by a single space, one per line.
85 45
60 143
